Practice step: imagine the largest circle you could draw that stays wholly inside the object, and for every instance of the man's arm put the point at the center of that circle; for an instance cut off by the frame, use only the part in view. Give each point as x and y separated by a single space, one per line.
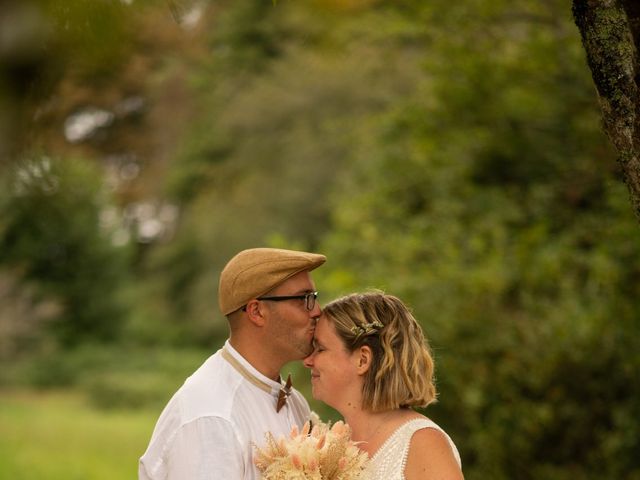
205 449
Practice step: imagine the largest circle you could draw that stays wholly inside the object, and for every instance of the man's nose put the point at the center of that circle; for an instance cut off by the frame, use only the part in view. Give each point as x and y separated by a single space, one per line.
316 311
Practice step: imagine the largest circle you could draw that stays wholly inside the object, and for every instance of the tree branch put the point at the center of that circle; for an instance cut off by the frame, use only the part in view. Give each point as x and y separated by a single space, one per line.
610 31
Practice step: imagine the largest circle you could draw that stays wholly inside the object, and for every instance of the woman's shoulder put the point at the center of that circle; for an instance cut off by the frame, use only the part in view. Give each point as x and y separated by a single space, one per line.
431 452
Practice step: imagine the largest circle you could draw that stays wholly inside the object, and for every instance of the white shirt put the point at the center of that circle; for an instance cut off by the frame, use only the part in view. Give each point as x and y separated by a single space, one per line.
208 429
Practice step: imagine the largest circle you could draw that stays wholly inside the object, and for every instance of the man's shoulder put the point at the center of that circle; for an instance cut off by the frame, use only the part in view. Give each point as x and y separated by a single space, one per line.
208 391
210 370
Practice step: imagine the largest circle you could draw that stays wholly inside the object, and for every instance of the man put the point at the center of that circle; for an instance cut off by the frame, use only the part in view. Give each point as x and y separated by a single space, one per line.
209 427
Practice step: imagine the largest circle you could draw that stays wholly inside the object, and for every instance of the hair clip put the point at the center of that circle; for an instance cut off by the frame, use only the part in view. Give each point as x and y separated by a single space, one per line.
366 329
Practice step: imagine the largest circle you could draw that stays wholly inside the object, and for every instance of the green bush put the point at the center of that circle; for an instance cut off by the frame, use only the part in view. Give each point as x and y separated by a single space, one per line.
109 376
128 390
50 231
139 378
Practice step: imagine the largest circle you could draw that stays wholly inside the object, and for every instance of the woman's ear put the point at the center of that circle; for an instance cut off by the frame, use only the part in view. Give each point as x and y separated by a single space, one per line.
364 359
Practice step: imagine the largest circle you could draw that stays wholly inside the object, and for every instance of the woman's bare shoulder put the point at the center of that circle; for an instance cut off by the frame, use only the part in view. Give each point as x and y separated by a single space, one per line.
431 458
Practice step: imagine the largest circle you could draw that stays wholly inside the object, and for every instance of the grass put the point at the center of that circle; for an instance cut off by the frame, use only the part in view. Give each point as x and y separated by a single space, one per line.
59 435
88 414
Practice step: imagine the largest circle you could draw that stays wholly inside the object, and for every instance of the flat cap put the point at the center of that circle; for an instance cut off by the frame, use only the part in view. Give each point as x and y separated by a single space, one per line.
254 272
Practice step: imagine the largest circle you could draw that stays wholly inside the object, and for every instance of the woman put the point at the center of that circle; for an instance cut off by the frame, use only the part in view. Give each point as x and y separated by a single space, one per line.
372 364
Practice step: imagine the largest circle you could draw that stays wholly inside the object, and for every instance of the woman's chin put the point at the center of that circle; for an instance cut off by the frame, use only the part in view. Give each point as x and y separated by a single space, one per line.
316 394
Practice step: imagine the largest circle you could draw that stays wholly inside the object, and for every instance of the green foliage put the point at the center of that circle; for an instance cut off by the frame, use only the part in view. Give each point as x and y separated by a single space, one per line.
147 379
248 34
108 376
267 148
91 37
50 231
449 153
46 40
489 203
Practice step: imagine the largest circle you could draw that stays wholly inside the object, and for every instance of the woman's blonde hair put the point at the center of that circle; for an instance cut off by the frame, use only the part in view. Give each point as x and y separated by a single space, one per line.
402 369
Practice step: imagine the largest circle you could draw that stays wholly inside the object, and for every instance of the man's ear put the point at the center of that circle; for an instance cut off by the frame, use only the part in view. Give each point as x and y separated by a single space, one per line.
255 313
364 359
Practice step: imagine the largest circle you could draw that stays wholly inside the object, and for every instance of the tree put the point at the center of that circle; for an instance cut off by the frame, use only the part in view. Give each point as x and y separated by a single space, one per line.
45 40
610 33
489 203
51 233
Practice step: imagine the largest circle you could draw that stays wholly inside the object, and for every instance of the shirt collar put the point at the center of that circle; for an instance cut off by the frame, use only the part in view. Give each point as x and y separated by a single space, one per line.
252 372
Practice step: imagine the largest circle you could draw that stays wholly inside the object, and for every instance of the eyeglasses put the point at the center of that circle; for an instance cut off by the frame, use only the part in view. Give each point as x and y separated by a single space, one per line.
309 299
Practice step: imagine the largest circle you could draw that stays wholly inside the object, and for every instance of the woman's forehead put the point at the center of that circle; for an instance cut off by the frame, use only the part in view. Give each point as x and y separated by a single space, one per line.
324 328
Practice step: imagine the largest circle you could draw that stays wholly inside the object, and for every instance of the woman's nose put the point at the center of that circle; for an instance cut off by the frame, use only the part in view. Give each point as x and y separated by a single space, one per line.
308 361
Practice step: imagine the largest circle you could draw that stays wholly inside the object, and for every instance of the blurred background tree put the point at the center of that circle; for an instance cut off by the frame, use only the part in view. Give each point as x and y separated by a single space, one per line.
52 237
450 154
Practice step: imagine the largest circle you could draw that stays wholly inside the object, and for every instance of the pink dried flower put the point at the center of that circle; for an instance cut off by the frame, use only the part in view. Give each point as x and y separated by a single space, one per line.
339 428
321 452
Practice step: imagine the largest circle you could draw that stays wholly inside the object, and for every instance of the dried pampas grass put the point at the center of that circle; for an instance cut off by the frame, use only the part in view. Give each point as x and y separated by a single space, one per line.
319 452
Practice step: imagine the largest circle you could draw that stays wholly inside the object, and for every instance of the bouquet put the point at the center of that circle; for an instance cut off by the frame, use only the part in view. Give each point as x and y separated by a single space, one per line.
318 452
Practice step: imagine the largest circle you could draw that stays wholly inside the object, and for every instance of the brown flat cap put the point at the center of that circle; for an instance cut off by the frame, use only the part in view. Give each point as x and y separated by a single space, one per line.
254 272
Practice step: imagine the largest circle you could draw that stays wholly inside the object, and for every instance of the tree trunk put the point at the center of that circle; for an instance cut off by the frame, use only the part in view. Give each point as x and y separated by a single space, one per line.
610 31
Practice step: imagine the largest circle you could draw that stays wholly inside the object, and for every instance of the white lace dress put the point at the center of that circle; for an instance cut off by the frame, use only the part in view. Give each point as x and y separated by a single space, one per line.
389 461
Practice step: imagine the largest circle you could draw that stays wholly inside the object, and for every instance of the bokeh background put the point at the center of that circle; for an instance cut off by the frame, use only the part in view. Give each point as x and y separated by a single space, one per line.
450 153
